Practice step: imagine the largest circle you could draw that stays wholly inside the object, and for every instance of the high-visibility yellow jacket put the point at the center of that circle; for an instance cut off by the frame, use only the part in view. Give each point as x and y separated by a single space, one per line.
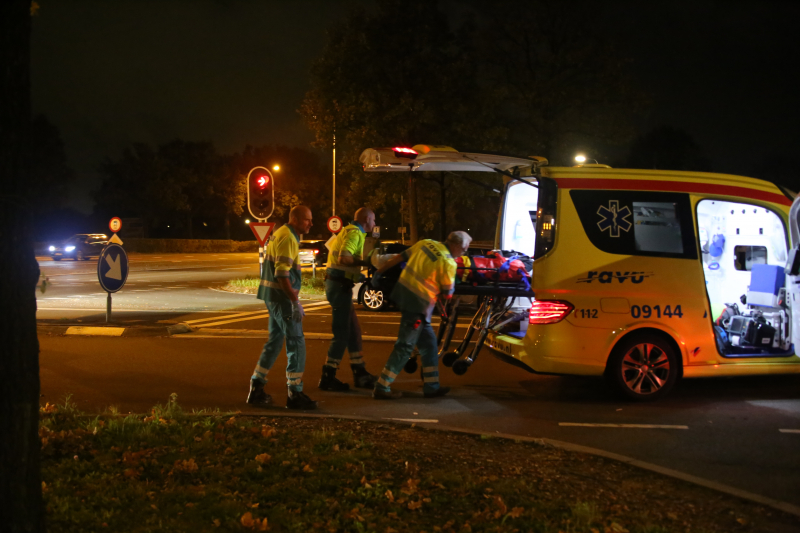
281 260
349 242
429 273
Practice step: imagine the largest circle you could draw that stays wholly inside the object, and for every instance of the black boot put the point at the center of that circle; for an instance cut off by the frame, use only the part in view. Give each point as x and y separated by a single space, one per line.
329 382
298 400
361 378
257 396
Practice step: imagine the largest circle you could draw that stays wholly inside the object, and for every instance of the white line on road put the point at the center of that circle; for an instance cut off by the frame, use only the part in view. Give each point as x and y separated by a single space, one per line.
419 420
789 430
636 426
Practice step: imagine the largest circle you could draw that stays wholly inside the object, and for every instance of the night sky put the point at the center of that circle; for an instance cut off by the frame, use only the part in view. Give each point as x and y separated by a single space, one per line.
234 72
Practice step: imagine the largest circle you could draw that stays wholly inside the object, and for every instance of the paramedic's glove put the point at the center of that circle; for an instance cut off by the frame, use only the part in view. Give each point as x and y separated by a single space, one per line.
376 280
297 312
361 278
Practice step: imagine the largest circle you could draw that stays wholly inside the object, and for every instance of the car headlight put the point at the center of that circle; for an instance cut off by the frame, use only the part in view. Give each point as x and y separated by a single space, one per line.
69 248
52 248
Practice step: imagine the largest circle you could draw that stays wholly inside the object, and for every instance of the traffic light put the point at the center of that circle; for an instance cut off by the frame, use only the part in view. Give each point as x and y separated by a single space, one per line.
260 192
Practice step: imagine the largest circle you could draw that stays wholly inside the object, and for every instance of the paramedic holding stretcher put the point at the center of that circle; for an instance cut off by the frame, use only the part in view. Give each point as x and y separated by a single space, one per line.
429 274
345 260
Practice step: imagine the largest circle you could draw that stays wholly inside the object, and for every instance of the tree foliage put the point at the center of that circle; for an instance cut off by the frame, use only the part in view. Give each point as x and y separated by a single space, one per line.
667 148
515 77
180 182
381 82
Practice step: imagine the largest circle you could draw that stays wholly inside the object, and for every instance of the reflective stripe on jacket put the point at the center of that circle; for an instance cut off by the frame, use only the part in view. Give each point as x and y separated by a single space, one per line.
429 273
281 260
349 241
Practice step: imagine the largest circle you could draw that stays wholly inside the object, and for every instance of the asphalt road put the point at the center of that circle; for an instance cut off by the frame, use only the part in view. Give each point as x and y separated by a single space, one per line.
742 432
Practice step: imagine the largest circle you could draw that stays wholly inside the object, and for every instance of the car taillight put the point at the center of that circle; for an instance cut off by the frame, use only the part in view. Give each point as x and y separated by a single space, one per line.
549 311
315 252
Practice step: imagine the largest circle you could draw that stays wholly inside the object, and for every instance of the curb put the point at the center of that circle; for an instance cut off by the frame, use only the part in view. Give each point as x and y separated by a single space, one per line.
111 331
198 332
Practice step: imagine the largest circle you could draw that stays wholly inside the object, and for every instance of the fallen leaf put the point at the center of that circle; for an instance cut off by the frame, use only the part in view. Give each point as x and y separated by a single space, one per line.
415 505
263 457
216 522
516 512
389 495
263 525
267 432
308 468
231 421
247 519
336 447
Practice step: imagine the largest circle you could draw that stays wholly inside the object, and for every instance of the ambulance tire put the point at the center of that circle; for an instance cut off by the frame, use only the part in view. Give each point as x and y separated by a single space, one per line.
630 369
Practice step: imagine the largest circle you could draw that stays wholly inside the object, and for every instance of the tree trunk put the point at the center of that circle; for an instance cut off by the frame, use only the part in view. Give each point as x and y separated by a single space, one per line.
443 207
20 482
228 226
412 209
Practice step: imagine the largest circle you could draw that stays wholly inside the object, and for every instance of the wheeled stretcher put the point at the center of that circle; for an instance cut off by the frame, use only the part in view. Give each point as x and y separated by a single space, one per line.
494 303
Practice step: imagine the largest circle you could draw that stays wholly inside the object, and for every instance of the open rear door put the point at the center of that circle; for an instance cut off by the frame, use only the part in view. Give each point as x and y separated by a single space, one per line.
793 273
427 158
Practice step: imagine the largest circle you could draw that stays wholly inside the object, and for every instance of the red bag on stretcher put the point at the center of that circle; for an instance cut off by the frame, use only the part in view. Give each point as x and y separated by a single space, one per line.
493 267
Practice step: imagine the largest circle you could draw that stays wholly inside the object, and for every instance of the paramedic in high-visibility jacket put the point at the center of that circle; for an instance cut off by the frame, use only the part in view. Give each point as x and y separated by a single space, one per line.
345 261
429 275
280 288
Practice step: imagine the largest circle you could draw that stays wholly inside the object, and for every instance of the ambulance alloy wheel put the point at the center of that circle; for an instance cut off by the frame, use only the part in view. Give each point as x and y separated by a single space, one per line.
373 300
643 367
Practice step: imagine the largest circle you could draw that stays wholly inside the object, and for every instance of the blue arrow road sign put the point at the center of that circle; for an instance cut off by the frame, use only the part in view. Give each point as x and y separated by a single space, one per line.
112 268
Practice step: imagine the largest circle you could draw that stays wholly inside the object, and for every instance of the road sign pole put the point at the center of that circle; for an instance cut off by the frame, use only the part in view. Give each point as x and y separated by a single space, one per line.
108 308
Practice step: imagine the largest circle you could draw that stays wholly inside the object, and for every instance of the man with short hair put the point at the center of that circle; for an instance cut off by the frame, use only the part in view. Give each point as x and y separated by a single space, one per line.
345 260
280 288
429 274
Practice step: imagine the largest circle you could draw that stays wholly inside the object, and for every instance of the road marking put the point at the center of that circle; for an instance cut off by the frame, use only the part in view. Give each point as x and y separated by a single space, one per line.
789 430
196 321
263 333
420 420
91 330
636 426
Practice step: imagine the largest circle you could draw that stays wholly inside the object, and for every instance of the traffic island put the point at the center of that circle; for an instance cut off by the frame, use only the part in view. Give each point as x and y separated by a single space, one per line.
169 470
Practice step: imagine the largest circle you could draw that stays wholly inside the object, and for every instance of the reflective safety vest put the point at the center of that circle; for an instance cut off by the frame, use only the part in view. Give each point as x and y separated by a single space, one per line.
429 273
281 260
349 241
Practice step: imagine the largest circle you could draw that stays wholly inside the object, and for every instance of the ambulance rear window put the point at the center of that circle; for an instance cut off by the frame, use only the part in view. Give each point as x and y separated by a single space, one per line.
637 222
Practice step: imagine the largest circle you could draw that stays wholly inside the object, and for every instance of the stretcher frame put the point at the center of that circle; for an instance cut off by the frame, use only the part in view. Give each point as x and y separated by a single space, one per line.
494 302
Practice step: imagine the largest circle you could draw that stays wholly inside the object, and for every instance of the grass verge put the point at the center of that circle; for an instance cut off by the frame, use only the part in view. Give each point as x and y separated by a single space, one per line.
175 471
249 284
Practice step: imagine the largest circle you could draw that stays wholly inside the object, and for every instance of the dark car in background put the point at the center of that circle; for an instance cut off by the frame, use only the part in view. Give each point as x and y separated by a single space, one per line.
378 299
79 247
313 252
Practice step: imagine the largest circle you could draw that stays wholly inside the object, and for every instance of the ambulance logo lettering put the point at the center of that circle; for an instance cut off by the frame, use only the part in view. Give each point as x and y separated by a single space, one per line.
608 277
614 219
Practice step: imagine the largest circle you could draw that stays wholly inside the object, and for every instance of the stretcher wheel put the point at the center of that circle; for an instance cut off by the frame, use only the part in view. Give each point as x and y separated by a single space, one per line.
460 367
411 365
449 358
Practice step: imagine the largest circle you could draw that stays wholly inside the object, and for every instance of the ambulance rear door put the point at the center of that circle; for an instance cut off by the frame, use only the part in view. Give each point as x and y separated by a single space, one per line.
793 273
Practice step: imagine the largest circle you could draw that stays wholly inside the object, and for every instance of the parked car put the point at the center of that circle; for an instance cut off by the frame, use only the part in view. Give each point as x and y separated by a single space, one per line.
378 299
79 247
313 251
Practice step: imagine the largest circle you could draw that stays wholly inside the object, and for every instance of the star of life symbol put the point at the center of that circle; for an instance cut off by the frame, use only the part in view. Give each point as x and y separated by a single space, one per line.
614 219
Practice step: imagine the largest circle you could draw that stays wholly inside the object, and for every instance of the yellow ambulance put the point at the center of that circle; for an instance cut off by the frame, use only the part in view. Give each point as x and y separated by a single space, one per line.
641 276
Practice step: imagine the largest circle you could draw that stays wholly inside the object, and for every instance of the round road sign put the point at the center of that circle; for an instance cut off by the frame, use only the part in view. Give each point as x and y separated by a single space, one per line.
115 224
112 268
334 224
